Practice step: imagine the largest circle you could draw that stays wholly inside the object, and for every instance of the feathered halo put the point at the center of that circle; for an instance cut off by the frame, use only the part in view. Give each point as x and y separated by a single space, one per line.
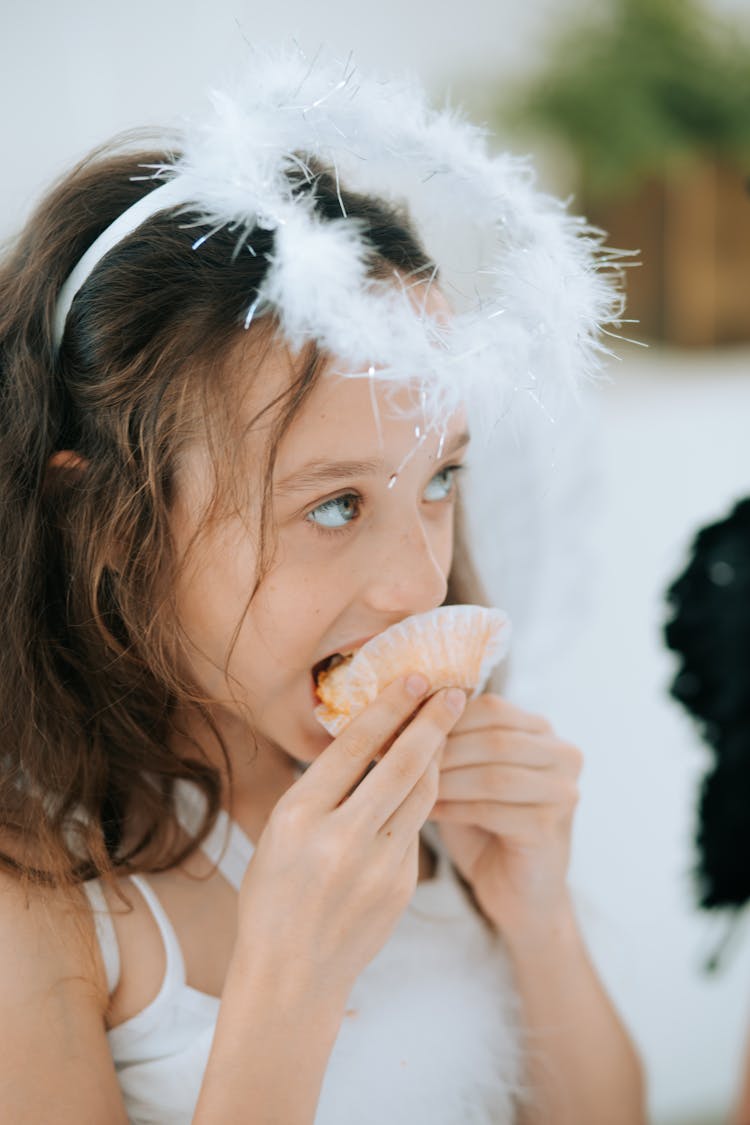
536 298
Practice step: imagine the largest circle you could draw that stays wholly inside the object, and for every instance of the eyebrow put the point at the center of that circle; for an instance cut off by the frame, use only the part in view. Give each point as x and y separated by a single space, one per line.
314 473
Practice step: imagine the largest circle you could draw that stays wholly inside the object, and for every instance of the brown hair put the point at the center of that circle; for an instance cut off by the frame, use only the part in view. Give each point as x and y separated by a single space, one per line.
89 681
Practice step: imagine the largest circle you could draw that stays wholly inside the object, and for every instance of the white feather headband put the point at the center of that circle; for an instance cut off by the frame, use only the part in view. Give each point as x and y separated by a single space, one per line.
549 287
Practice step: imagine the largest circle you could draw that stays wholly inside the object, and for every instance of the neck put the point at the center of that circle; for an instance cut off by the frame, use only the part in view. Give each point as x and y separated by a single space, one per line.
261 771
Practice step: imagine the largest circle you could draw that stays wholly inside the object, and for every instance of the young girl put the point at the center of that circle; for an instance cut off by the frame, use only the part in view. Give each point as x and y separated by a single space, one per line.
234 411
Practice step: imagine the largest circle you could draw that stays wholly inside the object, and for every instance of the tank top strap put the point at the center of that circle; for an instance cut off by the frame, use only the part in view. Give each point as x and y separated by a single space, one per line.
105 932
226 845
229 848
174 973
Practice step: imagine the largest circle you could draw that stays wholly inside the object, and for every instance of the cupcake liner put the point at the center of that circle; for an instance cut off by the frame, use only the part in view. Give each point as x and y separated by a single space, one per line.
454 646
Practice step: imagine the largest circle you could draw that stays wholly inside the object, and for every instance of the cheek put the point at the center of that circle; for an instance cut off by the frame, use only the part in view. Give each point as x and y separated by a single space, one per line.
295 606
440 532
446 541
212 591
309 586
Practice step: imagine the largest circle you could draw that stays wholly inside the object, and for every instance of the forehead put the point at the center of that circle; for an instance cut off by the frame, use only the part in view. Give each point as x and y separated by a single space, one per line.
360 418
341 419
352 412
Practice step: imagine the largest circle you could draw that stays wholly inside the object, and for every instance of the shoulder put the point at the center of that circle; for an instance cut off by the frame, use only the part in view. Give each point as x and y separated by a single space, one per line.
55 1062
46 937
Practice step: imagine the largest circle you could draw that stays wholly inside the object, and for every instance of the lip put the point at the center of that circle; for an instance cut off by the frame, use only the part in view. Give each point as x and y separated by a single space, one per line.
348 647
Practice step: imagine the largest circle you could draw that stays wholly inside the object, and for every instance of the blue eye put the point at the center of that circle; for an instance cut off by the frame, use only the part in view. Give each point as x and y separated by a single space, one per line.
444 481
328 516
339 513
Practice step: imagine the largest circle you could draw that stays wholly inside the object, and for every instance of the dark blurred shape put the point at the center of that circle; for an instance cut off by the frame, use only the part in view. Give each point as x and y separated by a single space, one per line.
710 631
653 99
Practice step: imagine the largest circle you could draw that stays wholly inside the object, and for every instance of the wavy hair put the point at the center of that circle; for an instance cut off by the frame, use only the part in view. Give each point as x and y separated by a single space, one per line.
90 683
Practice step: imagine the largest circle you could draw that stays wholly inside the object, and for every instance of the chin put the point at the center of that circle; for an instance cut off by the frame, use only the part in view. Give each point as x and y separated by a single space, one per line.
305 752
318 740
304 740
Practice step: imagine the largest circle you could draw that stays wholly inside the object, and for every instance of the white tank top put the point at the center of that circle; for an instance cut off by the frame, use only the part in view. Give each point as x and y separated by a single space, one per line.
431 1034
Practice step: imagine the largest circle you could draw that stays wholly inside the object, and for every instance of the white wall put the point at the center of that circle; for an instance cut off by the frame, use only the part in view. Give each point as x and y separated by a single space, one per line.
612 498
73 72
674 446
673 433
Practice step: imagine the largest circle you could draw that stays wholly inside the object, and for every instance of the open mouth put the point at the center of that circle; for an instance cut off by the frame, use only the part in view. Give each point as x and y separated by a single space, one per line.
325 665
332 660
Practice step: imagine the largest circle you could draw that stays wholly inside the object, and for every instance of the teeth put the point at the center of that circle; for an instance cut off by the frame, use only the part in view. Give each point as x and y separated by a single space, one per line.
327 662
330 661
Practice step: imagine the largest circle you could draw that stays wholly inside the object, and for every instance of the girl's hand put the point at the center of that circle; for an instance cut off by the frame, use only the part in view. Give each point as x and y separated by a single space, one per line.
336 866
507 794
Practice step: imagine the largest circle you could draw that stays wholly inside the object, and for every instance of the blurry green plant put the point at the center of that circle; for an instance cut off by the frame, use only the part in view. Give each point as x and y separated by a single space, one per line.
637 86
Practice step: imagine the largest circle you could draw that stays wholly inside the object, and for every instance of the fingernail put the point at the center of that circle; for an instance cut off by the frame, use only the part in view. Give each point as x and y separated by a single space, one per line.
456 700
416 684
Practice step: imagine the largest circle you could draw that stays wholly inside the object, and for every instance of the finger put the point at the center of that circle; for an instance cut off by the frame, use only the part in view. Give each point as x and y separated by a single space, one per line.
337 770
512 784
402 828
491 710
515 748
521 823
391 781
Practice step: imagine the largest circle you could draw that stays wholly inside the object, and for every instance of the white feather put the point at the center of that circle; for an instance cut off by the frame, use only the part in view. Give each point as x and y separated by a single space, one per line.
530 306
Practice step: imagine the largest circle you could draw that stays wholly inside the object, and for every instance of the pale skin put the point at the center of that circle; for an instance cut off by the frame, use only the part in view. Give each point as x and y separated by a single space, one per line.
335 862
741 1110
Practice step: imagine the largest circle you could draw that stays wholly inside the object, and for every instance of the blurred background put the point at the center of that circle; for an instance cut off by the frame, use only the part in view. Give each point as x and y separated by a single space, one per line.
640 111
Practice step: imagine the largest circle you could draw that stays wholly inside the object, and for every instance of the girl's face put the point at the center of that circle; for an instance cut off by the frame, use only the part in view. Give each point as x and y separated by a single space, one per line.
353 554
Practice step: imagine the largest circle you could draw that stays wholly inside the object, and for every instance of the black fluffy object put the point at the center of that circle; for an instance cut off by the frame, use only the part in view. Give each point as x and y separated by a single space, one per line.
710 632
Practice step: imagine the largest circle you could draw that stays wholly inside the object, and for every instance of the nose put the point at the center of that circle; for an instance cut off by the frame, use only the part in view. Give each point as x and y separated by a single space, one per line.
409 575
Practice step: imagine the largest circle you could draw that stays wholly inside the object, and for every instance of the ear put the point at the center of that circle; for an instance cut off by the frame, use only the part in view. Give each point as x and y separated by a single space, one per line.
67 460
65 467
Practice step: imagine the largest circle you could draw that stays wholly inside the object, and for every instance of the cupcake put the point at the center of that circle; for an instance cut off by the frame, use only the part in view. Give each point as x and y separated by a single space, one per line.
453 646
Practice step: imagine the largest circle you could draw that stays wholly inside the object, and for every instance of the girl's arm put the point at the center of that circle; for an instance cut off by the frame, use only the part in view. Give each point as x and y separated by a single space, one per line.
270 1050
508 792
334 869
741 1111
582 1068
274 1036
55 1062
